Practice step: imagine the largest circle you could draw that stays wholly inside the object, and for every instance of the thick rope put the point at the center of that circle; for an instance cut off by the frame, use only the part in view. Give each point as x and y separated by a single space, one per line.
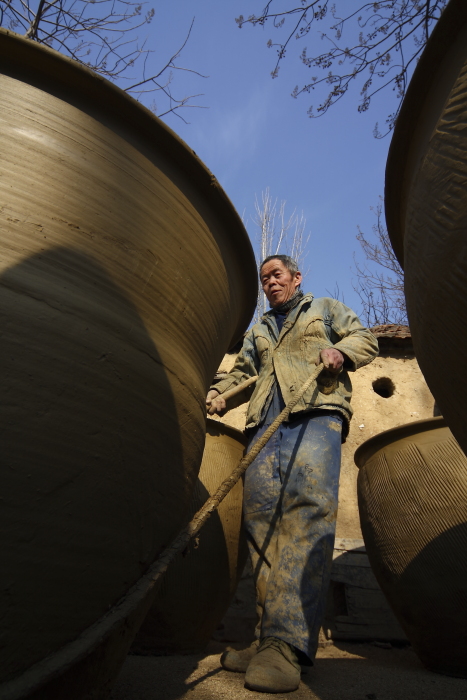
194 526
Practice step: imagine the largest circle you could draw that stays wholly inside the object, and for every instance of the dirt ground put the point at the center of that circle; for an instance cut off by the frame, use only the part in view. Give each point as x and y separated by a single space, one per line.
344 671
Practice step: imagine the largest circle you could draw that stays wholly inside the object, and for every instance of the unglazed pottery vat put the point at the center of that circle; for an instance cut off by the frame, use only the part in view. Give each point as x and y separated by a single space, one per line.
197 589
125 274
426 211
412 494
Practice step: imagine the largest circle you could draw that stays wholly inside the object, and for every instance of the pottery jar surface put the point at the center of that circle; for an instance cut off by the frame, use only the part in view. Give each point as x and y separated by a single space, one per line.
412 495
426 211
197 589
125 274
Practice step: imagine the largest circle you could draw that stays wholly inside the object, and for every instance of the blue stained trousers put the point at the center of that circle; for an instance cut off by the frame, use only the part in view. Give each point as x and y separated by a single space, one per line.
290 509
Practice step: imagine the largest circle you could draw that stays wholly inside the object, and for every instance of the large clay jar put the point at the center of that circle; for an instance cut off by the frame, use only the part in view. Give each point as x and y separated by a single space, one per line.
426 211
125 274
196 590
412 494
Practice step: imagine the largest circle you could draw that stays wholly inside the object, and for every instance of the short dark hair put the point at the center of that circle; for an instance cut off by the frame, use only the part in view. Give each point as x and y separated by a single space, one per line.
287 261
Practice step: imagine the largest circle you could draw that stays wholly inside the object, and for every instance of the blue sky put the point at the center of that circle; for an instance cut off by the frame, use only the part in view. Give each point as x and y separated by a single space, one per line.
252 134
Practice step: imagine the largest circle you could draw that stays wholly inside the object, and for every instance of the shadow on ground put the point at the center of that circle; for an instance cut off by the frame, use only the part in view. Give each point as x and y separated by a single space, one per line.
342 672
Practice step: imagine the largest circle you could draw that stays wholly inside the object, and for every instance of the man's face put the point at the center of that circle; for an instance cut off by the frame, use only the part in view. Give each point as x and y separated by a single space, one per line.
278 283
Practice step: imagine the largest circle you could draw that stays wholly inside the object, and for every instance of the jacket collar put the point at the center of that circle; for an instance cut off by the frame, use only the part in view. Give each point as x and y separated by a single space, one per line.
292 316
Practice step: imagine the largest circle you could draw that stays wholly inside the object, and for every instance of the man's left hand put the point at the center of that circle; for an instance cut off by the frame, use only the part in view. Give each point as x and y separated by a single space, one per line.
332 360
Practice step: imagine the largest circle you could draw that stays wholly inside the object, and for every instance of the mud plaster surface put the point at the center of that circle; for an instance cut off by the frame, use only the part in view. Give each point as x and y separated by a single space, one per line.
343 672
411 401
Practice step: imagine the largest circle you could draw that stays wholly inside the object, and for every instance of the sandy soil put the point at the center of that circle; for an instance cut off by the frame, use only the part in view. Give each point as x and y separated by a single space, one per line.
342 672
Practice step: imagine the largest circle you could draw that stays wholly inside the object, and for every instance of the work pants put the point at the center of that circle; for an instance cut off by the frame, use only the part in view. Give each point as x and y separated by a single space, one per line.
290 509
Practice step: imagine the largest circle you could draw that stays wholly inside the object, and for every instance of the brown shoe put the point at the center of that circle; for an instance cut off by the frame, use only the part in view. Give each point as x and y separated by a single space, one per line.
274 668
237 660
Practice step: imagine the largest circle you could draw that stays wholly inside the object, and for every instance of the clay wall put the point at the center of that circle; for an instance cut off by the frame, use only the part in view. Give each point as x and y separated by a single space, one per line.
387 393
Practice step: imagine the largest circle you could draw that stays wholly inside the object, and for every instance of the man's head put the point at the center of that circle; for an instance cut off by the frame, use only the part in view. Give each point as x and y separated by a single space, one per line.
279 276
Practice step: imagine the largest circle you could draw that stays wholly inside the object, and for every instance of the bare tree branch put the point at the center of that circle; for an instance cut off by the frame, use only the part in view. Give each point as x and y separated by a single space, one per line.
277 234
102 35
379 33
381 292
336 293
32 31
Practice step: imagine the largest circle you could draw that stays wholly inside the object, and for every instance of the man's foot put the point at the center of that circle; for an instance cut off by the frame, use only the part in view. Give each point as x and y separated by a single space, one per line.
237 660
274 668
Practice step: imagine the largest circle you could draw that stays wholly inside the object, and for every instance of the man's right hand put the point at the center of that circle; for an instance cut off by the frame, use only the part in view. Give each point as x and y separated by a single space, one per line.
214 402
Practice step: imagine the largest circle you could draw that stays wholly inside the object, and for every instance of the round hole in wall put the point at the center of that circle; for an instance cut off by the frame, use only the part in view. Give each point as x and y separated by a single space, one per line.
384 387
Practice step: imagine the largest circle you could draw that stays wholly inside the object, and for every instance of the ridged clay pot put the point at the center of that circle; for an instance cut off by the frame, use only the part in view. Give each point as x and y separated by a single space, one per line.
426 211
197 589
412 495
125 274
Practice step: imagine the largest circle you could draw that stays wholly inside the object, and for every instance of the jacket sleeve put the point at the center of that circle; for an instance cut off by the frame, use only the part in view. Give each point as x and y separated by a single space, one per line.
246 366
357 343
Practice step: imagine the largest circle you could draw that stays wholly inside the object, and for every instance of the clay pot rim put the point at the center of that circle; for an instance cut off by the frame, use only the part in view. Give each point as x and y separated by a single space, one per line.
61 76
451 23
381 440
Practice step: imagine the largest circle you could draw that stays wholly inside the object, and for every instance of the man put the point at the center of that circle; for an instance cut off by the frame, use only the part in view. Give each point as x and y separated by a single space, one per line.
290 492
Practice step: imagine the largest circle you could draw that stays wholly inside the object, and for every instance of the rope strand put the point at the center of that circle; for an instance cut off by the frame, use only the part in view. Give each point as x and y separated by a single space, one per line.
194 526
